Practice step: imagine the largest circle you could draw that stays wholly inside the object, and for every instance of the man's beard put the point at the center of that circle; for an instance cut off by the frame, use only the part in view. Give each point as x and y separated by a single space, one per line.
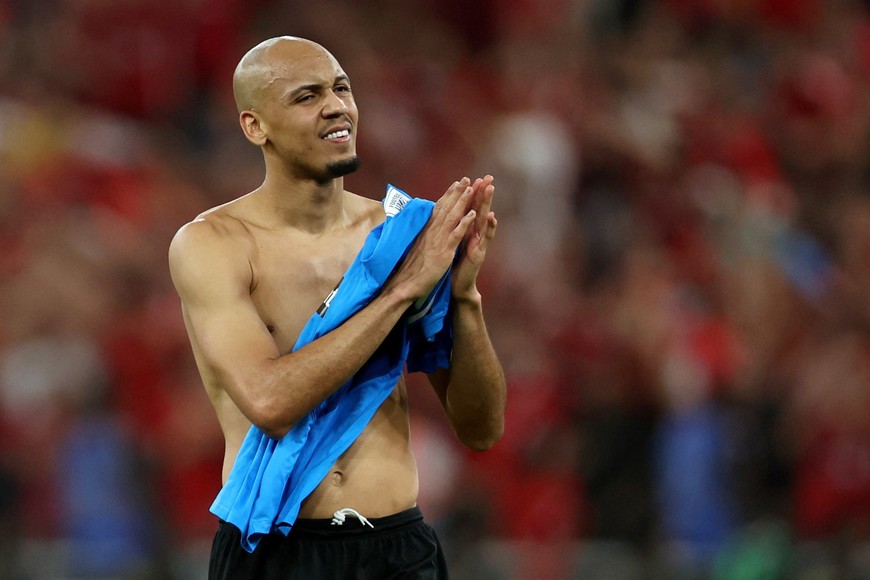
343 167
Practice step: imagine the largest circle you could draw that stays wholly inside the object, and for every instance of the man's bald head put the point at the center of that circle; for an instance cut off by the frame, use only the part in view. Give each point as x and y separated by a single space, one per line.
261 65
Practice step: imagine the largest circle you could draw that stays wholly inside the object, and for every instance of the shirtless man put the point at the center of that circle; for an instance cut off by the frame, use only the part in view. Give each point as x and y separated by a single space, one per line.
251 272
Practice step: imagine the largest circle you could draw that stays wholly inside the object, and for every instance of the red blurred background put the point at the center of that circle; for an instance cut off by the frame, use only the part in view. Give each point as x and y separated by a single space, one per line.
679 292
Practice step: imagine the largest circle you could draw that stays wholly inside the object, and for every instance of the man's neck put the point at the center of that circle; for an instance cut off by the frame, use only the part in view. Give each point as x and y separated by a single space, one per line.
307 205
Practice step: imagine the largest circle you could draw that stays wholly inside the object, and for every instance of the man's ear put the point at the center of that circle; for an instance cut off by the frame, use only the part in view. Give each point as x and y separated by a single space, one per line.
252 127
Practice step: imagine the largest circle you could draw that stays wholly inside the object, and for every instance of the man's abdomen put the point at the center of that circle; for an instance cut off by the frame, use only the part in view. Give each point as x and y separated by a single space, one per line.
377 475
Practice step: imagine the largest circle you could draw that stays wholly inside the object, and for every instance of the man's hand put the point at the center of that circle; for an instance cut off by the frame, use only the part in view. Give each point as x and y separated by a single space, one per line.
475 242
434 250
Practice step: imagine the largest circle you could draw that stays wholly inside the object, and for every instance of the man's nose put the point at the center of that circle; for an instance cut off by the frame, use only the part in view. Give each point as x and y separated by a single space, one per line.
335 105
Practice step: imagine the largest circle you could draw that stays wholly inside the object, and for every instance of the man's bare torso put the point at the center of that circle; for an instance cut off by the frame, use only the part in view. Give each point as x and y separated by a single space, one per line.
292 272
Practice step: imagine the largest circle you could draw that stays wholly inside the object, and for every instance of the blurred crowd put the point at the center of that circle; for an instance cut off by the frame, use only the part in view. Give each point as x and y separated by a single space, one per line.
679 290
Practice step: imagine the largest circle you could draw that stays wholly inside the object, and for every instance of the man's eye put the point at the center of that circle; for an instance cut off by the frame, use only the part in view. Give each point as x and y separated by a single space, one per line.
342 88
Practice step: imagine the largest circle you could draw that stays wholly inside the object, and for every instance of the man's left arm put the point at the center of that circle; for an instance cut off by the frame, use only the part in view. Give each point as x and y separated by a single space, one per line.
472 391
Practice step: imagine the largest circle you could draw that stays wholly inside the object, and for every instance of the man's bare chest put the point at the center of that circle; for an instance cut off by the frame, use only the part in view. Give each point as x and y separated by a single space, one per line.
291 281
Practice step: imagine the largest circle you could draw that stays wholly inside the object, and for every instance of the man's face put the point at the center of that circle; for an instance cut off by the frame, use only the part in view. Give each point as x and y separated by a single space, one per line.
309 113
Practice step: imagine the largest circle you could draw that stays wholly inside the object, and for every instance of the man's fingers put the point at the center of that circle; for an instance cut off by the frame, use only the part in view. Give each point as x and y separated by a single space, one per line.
484 207
443 203
488 233
491 225
460 206
465 207
454 193
461 228
446 205
477 186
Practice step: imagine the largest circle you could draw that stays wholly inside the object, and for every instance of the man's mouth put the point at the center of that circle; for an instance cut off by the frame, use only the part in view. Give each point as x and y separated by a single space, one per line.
338 134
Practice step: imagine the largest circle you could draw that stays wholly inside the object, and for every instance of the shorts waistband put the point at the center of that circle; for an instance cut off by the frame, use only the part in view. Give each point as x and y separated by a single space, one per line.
353 526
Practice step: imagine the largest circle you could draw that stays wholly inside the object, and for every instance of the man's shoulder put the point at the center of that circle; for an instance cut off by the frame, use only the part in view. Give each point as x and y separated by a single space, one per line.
220 222
215 233
207 229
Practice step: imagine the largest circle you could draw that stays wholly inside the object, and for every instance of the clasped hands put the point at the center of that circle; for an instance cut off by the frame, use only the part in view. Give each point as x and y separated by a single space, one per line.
460 219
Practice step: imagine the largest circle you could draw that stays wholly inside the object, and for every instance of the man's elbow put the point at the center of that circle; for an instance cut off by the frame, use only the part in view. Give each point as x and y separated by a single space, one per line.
272 428
480 444
272 420
482 441
274 431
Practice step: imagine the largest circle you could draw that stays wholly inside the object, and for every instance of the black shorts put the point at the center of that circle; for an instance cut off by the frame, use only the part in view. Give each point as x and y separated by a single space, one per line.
399 546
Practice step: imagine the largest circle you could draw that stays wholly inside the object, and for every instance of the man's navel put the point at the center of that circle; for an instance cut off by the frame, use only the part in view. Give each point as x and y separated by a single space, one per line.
337 477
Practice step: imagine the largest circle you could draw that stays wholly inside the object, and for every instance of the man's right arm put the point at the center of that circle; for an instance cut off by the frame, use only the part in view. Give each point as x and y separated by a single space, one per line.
235 351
